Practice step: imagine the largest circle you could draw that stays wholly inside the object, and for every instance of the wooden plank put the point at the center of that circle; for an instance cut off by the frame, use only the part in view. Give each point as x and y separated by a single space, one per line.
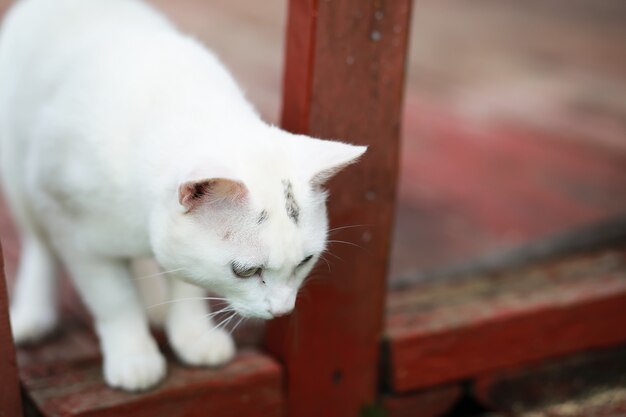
470 190
448 332
604 402
10 402
539 385
433 402
344 79
63 378
249 386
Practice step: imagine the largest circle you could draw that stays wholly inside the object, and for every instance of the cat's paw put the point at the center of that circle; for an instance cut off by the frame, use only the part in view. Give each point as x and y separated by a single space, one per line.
135 372
208 348
29 325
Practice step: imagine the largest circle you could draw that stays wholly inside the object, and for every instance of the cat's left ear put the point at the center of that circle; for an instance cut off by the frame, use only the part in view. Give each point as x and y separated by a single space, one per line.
320 159
211 192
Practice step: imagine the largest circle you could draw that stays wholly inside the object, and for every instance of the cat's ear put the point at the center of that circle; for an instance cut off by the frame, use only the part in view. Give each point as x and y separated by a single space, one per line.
213 191
320 159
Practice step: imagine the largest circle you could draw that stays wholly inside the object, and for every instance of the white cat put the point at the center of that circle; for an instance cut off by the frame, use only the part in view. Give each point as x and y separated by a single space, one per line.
122 138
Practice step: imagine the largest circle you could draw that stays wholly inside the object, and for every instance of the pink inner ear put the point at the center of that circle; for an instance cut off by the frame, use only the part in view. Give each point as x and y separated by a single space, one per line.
193 194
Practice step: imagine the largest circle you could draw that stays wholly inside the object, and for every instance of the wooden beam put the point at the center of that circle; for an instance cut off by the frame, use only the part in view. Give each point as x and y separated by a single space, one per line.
10 402
448 332
63 377
344 80
545 383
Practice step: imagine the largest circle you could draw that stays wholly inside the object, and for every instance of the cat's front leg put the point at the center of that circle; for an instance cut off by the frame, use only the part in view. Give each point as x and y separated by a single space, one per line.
34 309
190 330
132 360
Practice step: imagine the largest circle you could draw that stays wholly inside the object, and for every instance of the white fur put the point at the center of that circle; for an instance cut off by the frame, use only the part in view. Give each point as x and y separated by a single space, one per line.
105 110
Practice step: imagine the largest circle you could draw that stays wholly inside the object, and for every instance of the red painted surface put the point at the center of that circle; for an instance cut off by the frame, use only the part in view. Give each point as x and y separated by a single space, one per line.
449 332
434 402
344 79
301 32
63 378
10 401
470 187
545 383
608 402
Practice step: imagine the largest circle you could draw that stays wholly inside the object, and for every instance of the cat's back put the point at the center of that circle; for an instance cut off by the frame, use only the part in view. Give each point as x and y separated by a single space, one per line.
40 39
51 89
40 24
94 58
98 87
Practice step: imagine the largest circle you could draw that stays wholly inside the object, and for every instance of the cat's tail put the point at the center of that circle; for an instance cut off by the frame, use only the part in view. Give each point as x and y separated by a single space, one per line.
152 289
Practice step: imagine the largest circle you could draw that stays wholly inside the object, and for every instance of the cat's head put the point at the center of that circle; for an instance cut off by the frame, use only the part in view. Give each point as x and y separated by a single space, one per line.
252 231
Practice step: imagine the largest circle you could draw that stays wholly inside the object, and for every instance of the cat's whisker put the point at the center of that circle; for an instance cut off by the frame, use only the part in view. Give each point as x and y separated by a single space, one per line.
217 326
326 261
345 243
243 318
223 310
158 274
312 277
333 255
348 227
182 299
220 302
225 322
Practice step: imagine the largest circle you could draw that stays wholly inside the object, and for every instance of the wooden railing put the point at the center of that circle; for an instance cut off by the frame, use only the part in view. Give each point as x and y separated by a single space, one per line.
344 77
10 403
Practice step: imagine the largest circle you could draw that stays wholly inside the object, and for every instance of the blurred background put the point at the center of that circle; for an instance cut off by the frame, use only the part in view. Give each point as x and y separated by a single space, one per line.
514 126
513 149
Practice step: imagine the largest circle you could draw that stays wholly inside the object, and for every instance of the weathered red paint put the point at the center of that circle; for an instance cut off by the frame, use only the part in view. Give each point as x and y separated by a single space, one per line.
344 80
604 402
541 384
471 188
63 378
10 402
448 332
433 402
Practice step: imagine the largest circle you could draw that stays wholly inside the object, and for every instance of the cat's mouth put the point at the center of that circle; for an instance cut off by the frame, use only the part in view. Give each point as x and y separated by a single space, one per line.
263 311
263 315
249 313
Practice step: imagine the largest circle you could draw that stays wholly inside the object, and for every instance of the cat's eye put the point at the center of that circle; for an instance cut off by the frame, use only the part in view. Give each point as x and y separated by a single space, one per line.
305 260
245 272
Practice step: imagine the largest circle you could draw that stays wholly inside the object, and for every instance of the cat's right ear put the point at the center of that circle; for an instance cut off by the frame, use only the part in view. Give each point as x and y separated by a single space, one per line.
320 159
210 192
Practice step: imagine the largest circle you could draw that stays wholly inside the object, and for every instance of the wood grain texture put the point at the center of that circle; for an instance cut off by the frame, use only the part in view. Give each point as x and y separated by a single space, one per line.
63 378
344 80
545 383
448 332
10 402
604 402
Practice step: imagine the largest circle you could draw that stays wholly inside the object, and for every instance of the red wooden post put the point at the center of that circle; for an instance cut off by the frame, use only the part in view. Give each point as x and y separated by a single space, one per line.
10 402
344 79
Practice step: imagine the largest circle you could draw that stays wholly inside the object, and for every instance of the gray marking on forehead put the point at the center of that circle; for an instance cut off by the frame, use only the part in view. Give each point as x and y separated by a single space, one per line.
293 210
262 217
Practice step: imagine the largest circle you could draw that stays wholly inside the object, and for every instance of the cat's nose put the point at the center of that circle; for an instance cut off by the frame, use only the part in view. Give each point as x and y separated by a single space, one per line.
282 302
280 311
280 307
